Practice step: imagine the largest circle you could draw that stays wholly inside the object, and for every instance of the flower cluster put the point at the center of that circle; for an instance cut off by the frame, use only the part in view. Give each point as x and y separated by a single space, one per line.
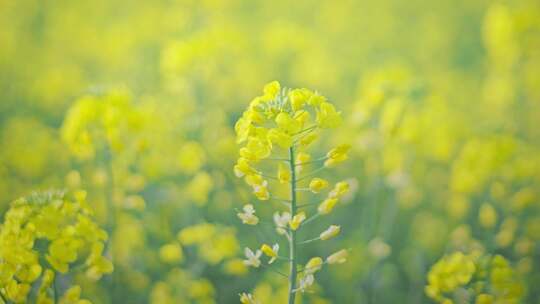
46 235
279 126
486 279
101 122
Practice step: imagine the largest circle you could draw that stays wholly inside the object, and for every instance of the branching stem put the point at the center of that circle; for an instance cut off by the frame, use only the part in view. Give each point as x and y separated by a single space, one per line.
310 240
311 174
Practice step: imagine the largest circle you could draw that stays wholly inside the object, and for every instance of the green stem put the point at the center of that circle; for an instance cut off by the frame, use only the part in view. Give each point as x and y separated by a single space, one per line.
112 216
3 298
311 173
55 289
292 239
310 240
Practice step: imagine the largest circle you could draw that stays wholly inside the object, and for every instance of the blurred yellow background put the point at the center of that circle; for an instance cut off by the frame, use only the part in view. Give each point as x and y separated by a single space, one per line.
135 102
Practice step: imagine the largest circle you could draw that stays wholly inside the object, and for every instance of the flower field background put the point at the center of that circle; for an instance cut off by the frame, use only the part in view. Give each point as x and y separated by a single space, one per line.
118 142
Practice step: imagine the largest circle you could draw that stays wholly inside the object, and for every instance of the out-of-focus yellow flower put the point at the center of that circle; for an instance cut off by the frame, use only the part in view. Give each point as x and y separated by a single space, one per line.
449 273
235 267
379 248
339 190
63 221
192 157
171 253
487 216
73 295
196 234
199 188
17 292
338 257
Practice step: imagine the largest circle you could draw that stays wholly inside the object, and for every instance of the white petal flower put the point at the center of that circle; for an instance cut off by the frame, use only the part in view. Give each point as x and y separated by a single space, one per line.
282 221
248 216
275 249
331 232
252 259
247 298
305 283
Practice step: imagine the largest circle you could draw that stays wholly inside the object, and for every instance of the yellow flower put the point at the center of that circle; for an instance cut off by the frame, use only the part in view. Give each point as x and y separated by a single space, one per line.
171 253
297 220
313 265
337 155
317 184
484 299
280 138
302 117
248 216
271 90
302 158
284 174
71 296
192 157
196 234
247 298
331 232
62 252
449 273
287 124
261 192
327 205
339 190
17 292
256 149
235 267
271 252
339 257
299 97
308 139
29 273
487 216
242 168
243 128
97 264
316 100
255 180
327 117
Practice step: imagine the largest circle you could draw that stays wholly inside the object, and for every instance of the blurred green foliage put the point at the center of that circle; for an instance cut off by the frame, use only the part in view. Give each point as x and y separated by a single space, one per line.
135 102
